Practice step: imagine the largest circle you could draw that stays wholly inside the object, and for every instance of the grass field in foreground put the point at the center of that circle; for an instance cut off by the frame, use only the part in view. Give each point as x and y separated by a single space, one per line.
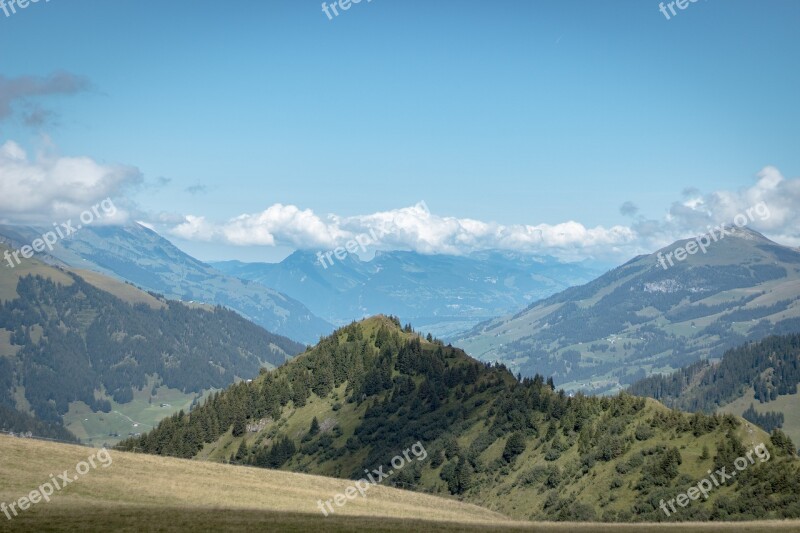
148 493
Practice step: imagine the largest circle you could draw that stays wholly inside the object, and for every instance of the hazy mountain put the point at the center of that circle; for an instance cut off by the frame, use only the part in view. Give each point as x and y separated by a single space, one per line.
371 392
641 318
76 345
136 254
440 293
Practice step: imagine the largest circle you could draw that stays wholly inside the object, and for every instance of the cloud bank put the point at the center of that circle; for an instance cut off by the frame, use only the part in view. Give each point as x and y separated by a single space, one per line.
416 228
50 188
410 228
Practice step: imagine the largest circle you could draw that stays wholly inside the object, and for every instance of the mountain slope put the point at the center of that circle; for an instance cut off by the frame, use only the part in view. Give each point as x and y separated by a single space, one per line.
441 294
372 392
13 421
753 377
641 318
64 341
136 254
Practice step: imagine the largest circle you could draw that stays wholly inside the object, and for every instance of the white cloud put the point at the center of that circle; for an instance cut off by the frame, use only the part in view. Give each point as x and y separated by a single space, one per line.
416 228
780 195
52 188
411 228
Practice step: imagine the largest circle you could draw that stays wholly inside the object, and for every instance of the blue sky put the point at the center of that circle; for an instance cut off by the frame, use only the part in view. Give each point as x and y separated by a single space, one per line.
509 112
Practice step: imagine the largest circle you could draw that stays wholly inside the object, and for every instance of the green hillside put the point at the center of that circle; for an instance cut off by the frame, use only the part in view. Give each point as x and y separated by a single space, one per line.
758 381
373 391
642 319
109 360
788 406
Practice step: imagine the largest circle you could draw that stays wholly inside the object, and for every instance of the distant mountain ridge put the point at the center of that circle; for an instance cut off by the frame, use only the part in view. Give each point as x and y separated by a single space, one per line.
442 294
640 318
136 254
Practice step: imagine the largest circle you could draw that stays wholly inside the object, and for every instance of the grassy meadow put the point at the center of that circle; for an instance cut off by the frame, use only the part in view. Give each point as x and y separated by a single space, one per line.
148 493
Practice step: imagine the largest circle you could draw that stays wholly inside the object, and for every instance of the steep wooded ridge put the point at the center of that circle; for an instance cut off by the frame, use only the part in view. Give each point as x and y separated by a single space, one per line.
64 340
769 369
641 318
373 389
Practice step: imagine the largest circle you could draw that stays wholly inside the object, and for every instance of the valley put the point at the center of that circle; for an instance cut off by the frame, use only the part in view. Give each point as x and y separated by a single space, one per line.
440 294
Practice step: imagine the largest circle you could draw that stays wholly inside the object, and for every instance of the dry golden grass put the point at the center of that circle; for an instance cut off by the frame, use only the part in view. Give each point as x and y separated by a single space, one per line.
123 291
144 480
9 277
148 493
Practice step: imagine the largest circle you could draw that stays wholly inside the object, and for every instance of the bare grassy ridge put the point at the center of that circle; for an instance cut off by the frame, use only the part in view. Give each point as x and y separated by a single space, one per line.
150 493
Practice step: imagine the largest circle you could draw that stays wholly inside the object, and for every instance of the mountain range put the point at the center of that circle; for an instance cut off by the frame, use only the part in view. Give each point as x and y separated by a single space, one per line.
647 317
138 255
93 354
443 294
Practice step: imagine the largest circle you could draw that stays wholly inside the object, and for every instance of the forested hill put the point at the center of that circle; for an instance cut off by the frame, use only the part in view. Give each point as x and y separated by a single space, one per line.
373 389
763 375
69 341
770 366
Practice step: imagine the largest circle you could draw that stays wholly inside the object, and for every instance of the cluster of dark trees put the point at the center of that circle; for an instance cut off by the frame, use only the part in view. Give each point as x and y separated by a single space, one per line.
77 339
771 366
693 312
14 421
768 421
